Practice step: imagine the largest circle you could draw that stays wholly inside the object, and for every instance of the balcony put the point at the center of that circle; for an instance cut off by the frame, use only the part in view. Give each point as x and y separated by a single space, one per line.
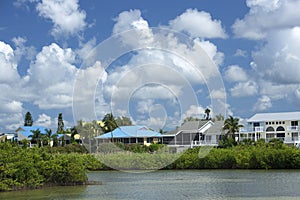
259 129
293 128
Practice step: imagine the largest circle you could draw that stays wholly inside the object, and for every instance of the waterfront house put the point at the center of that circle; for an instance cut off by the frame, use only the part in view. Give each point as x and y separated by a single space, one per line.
131 135
195 133
283 125
25 132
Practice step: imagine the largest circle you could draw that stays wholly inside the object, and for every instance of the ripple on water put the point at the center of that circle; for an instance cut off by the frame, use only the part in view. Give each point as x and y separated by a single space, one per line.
173 185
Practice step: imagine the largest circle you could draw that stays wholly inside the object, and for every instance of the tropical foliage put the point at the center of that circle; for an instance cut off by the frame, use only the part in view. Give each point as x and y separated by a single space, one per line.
110 123
34 167
232 126
28 121
207 112
60 124
258 155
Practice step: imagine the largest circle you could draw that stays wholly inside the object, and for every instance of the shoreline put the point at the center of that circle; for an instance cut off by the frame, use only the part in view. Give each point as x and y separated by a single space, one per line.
50 185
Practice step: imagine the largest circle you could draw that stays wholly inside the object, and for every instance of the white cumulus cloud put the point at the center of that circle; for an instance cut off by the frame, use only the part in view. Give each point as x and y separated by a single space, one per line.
244 89
263 103
66 16
279 59
51 77
235 73
265 16
198 24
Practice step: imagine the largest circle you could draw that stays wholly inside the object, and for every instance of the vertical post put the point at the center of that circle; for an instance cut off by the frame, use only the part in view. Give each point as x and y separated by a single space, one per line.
97 144
175 139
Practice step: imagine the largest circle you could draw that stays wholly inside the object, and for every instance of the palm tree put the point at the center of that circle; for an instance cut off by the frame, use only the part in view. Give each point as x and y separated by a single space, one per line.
207 111
232 126
55 140
110 124
73 133
48 135
36 137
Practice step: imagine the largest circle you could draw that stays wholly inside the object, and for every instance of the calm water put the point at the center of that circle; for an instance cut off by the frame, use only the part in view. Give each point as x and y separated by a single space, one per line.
212 184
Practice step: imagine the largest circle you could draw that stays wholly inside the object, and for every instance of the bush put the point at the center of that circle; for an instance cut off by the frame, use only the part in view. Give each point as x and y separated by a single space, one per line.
35 167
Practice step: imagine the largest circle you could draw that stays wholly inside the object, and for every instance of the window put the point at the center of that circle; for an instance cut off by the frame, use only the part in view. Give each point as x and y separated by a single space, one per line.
141 140
280 122
283 122
294 123
267 123
280 135
270 135
270 129
280 128
272 122
149 140
256 124
208 138
294 135
277 123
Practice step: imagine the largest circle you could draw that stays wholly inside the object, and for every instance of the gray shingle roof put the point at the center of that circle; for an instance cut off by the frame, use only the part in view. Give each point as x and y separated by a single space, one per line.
216 128
190 126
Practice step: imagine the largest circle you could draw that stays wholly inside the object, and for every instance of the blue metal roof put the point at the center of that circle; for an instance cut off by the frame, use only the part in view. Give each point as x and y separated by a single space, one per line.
26 130
130 132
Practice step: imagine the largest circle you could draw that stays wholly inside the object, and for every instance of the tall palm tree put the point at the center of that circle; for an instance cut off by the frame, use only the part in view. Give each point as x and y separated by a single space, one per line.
48 135
110 124
207 111
232 126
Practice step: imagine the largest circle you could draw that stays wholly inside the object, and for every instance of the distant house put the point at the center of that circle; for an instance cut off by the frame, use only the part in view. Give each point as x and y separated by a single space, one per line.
195 133
190 134
2 137
10 136
67 139
282 125
130 135
25 132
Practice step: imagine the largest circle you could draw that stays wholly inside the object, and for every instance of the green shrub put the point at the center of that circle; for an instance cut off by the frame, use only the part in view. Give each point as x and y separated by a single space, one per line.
34 167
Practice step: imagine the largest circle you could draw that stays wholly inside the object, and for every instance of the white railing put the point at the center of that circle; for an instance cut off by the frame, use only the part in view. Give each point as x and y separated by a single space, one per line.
204 142
292 128
259 129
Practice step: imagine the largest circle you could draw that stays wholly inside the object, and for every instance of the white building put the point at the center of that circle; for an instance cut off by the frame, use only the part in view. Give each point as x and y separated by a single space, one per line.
284 125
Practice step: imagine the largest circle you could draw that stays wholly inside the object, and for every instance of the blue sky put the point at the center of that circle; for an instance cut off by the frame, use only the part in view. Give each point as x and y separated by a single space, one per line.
253 46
